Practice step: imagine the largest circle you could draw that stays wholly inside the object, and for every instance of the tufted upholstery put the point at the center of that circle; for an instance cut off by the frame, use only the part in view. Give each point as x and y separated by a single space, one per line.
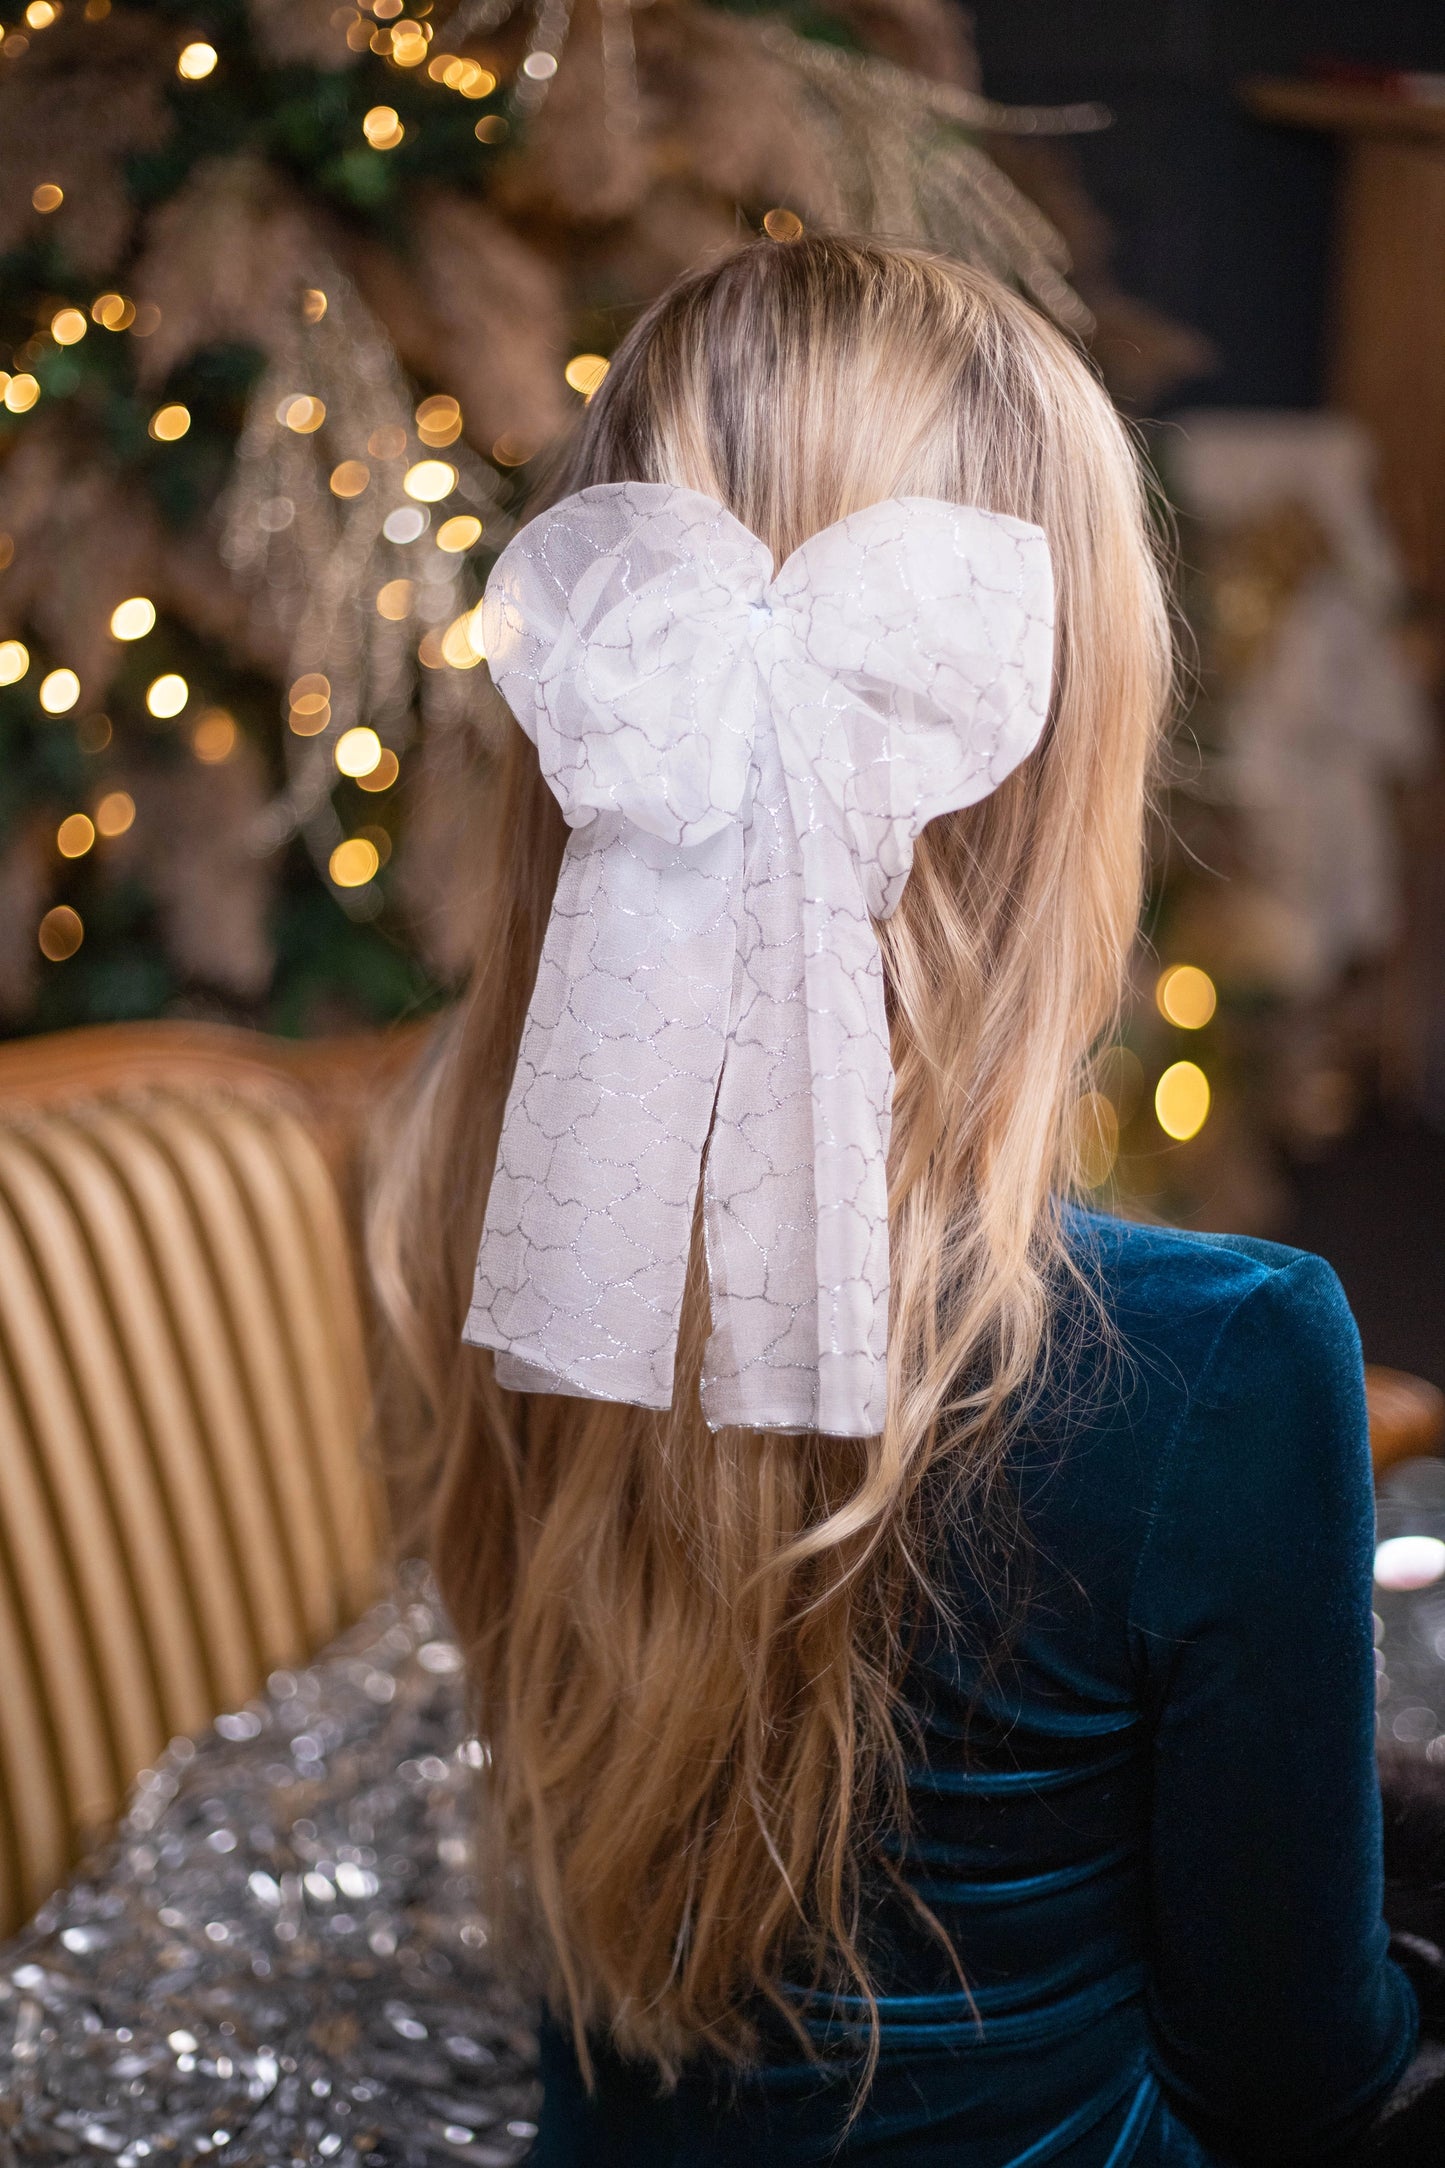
182 1405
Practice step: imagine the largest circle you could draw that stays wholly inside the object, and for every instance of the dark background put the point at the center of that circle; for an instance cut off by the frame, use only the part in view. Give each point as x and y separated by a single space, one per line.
1226 222
1221 219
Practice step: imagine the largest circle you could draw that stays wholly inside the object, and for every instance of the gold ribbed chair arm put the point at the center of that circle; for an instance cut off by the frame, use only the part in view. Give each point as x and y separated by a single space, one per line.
183 1396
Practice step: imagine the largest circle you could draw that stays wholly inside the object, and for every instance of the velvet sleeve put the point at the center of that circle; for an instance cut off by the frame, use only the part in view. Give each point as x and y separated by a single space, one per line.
1277 2019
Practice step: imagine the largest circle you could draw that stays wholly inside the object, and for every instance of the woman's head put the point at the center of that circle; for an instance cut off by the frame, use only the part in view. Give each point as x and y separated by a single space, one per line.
687 1647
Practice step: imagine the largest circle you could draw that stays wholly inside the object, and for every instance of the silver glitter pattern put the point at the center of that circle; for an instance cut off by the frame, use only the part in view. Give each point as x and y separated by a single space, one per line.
745 762
279 1961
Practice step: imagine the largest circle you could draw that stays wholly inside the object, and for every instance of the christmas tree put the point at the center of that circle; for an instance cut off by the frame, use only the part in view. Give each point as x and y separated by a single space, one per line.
291 295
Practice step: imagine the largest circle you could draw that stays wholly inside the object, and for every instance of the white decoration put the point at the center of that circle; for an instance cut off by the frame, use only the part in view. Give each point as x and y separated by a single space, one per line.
745 762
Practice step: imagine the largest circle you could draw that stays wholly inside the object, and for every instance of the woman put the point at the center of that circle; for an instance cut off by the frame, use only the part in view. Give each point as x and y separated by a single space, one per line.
956 1747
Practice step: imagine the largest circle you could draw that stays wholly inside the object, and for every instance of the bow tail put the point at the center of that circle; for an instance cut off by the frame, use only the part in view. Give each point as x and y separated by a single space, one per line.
584 1251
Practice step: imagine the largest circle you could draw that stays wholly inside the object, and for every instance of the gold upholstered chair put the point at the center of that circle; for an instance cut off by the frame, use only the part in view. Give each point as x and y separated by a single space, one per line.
184 1505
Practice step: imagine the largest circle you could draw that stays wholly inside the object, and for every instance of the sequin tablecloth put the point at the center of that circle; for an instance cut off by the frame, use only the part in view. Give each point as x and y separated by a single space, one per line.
280 1959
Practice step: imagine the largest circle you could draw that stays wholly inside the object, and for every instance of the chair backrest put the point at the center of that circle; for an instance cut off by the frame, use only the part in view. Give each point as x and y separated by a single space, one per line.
183 1400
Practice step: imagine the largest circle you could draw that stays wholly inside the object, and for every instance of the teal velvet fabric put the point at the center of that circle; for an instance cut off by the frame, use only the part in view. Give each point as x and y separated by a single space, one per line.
1154 1834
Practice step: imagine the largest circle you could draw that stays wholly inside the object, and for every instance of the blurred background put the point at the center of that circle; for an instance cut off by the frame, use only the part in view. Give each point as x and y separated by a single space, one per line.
293 294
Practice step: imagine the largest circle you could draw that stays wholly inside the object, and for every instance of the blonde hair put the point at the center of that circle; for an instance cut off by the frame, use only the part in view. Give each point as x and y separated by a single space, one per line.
687 1648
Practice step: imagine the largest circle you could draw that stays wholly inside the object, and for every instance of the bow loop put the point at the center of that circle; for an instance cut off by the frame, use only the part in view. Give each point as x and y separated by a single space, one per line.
622 638
746 764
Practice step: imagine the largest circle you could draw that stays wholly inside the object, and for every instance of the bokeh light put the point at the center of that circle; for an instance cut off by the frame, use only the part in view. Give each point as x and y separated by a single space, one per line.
584 372
75 835
354 862
301 412
170 422
167 695
350 478
47 197
1185 996
196 61
14 661
1096 1139
1181 1100
430 480
781 225
439 420
458 533
313 305
133 619
388 442
68 327
21 392
214 737
461 643
384 774
61 933
358 750
395 599
383 131
112 312
115 813
59 691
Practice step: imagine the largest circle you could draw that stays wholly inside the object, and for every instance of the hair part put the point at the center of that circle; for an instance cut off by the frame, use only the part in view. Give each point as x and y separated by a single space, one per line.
687 1647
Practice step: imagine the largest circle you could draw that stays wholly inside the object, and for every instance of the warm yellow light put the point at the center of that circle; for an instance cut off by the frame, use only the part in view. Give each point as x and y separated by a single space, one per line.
477 82
430 480
196 61
47 197
167 695
115 813
357 751
1096 1139
214 737
394 600
61 933
21 392
299 411
169 422
511 450
309 722
408 45
380 840
584 372
310 691
781 225
112 311
350 478
384 774
1181 1100
14 661
313 305
458 533
41 14
439 420
133 619
382 128
59 691
1186 996
437 66
75 835
68 327
354 862
461 643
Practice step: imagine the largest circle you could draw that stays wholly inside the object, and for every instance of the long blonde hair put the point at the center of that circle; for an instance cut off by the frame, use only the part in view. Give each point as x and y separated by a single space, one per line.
687 1648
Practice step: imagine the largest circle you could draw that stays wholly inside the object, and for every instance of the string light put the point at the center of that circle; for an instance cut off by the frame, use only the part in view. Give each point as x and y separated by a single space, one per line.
47 197
133 619
382 128
540 67
167 695
1185 996
61 933
584 372
357 751
310 702
439 420
169 422
41 14
406 524
68 327
14 661
59 691
384 774
458 533
214 737
409 44
21 392
461 643
115 813
781 225
430 480
75 835
301 412
313 305
196 61
1181 1100
350 478
394 600
112 312
354 862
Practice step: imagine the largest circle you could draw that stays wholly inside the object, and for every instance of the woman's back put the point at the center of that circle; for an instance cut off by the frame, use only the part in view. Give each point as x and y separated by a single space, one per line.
1152 1833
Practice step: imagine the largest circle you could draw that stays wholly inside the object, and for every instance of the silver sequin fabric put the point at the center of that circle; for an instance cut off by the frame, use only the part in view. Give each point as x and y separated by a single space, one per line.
745 761
279 1961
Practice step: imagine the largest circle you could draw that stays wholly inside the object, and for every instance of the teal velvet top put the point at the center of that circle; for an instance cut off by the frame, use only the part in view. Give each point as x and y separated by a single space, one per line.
1154 1837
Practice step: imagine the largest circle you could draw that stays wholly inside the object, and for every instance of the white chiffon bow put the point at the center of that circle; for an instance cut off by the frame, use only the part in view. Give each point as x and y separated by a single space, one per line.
744 762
